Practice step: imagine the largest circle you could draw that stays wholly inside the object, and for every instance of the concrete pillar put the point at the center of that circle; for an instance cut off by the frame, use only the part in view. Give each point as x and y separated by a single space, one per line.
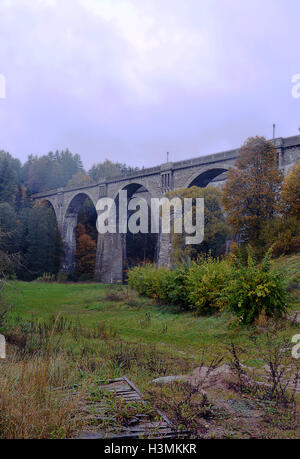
111 252
69 243
163 249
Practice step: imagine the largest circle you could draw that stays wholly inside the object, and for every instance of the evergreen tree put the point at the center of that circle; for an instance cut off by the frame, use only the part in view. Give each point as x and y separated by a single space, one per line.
9 177
10 229
50 171
41 245
108 169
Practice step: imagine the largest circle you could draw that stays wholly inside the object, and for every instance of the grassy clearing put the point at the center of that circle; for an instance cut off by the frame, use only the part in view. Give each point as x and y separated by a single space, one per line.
135 319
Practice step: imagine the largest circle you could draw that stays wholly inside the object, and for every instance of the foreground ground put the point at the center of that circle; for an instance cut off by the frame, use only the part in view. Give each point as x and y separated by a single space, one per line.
75 335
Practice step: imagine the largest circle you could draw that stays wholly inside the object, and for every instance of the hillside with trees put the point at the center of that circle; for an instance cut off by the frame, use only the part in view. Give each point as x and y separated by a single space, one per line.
29 232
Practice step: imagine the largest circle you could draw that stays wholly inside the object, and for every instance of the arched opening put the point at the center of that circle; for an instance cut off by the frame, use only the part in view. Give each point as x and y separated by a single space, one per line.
138 248
212 177
215 228
80 238
48 205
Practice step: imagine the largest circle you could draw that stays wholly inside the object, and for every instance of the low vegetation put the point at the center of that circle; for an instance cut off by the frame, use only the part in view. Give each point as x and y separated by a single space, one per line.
208 285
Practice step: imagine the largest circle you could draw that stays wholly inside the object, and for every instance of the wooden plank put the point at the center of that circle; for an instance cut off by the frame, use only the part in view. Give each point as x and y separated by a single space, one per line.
142 426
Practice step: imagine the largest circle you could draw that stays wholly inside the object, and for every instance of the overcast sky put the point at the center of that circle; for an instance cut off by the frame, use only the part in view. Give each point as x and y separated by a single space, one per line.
130 80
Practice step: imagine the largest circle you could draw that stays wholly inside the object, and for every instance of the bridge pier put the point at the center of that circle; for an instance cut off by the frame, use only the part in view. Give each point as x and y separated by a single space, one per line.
163 249
69 242
110 257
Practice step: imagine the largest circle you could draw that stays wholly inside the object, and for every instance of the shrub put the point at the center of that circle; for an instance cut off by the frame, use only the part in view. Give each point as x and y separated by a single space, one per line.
206 281
150 281
176 286
163 284
198 286
257 290
46 277
208 285
62 277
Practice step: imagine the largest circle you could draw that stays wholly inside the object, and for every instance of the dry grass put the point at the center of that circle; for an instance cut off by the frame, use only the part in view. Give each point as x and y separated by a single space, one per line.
30 407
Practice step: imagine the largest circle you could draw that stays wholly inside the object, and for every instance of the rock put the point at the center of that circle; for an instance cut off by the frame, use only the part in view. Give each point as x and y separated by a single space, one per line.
207 377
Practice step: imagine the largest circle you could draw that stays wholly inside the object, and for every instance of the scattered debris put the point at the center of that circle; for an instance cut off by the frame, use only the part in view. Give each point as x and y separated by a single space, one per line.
141 425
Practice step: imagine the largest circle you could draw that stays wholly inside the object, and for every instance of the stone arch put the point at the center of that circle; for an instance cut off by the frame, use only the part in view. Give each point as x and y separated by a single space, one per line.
70 218
132 186
202 179
49 202
76 199
140 247
112 248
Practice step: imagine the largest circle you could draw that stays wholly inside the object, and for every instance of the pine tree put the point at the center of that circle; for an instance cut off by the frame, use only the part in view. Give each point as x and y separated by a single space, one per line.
9 177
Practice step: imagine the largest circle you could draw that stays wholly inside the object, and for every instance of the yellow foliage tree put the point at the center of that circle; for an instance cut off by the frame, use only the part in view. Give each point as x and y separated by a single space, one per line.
85 252
252 190
290 196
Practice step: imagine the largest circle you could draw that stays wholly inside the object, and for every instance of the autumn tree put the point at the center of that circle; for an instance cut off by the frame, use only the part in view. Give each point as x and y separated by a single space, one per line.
252 190
85 252
108 169
79 179
283 231
290 196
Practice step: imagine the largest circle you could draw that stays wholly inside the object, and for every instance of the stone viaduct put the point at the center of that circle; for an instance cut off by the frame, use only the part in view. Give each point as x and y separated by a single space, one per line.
157 181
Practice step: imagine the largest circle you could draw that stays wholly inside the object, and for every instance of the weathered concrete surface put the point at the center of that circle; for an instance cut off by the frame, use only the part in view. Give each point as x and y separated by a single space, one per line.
2 347
157 181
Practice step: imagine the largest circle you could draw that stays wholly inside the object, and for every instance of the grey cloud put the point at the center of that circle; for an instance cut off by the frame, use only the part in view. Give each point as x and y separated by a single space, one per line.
132 79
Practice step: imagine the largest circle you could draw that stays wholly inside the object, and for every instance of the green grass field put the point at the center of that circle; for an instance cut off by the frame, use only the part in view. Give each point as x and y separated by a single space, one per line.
136 319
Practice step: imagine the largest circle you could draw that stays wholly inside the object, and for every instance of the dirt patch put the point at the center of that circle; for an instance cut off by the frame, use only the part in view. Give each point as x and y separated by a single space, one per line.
238 406
221 377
